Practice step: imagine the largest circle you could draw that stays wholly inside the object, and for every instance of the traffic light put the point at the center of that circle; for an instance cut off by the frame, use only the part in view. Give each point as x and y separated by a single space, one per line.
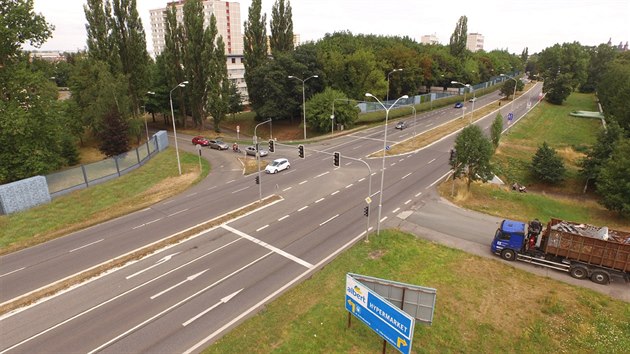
271 146
366 210
336 159
257 179
301 151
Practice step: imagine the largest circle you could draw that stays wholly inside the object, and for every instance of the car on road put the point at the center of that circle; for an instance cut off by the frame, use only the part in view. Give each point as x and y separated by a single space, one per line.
459 105
251 150
278 165
472 99
401 125
218 144
201 141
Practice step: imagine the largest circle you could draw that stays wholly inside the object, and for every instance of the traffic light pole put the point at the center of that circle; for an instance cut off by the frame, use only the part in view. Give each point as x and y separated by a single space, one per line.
258 158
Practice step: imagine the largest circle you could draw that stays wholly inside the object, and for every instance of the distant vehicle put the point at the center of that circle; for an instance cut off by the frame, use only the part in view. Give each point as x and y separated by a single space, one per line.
458 105
251 150
278 165
401 125
201 141
218 144
472 99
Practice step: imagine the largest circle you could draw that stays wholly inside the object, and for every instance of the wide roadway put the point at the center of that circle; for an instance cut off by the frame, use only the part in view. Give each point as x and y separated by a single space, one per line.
186 296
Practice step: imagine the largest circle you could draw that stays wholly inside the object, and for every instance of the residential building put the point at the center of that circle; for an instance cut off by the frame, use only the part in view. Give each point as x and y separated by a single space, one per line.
236 73
474 42
429 39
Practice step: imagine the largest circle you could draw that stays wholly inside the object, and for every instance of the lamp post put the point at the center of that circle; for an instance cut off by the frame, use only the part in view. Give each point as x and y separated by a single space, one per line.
258 159
144 109
380 202
393 71
463 103
514 94
303 97
170 95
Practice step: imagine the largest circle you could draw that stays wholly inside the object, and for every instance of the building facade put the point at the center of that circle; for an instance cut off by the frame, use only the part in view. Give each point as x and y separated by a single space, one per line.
429 39
474 42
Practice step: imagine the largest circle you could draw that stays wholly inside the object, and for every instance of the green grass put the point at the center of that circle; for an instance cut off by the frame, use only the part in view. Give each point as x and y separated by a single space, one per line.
156 179
483 306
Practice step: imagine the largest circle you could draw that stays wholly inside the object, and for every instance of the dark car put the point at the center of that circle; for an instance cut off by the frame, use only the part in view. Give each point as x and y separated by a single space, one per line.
459 105
201 141
218 144
401 125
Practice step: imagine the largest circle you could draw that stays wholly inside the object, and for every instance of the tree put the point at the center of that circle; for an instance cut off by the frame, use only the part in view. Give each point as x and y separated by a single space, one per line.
558 87
281 27
114 134
507 89
235 101
100 44
614 180
472 159
614 91
174 60
19 24
496 129
196 58
218 85
600 153
547 166
524 55
319 109
255 50
564 69
457 43
601 57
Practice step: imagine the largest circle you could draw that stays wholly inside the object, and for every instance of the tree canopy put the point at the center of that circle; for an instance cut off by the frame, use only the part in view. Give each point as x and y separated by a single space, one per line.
474 152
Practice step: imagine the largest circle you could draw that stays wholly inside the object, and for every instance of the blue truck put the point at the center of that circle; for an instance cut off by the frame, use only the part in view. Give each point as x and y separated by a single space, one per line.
582 250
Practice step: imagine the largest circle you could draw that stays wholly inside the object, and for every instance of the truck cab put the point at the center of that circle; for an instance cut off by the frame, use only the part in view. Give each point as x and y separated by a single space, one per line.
509 240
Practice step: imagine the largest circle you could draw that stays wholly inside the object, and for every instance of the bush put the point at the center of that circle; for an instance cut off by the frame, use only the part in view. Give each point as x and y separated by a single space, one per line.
547 166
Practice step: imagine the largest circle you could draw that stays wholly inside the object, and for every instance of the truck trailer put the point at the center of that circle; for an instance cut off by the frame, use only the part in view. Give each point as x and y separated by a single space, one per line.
582 250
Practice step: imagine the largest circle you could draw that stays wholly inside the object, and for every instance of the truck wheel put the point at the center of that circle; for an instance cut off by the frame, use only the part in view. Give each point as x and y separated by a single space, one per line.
508 255
600 277
579 272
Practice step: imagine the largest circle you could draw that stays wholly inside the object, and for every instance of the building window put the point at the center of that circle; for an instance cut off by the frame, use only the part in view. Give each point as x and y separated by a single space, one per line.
242 60
233 60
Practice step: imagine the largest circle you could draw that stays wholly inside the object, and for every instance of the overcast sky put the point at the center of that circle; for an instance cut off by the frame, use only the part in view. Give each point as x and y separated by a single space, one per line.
505 24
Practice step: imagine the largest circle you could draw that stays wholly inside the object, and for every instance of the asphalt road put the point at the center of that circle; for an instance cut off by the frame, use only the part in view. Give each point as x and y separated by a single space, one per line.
183 298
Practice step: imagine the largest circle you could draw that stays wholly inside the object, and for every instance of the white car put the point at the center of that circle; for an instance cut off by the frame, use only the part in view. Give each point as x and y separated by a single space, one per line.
472 99
278 165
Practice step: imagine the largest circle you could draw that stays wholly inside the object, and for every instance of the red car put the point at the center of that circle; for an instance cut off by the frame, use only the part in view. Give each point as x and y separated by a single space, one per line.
201 141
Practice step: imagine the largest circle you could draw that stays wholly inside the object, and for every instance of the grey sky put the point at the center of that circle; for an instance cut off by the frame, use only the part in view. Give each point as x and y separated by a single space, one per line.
505 24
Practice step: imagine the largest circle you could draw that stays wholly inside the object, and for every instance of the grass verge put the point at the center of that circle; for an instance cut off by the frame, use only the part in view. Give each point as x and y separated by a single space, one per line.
158 179
483 306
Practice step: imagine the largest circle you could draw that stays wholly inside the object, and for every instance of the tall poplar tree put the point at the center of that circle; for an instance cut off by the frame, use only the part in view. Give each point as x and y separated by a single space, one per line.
218 84
457 44
255 48
173 57
281 27
196 67
99 42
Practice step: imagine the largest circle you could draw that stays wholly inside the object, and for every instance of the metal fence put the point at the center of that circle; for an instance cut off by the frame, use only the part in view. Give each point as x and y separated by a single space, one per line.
60 183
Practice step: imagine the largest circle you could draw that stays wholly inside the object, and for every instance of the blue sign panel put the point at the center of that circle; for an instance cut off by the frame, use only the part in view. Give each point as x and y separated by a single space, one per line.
388 321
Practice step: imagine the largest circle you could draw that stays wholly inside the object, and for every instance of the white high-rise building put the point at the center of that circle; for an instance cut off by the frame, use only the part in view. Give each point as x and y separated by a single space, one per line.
429 39
228 15
474 42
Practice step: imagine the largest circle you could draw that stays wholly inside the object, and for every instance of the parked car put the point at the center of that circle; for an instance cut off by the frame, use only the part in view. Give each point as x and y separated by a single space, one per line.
218 144
278 165
401 125
201 141
459 105
251 150
472 99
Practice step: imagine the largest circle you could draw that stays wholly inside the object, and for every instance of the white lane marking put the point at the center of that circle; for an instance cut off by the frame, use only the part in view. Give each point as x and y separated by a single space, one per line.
302 208
395 210
430 161
152 221
159 261
191 194
175 305
383 219
373 173
190 278
269 247
325 158
417 195
222 301
347 163
228 182
212 187
137 227
356 147
428 125
303 182
322 174
393 164
322 224
284 217
404 135
89 244
167 202
375 193
286 189
262 228
407 202
335 192
350 185
240 190
319 200
439 179
407 175
177 212
401 160
11 272
361 180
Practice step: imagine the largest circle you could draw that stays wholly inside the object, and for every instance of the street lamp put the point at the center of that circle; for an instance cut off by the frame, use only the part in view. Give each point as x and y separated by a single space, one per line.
170 95
380 202
303 97
463 103
393 71
513 95
144 109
